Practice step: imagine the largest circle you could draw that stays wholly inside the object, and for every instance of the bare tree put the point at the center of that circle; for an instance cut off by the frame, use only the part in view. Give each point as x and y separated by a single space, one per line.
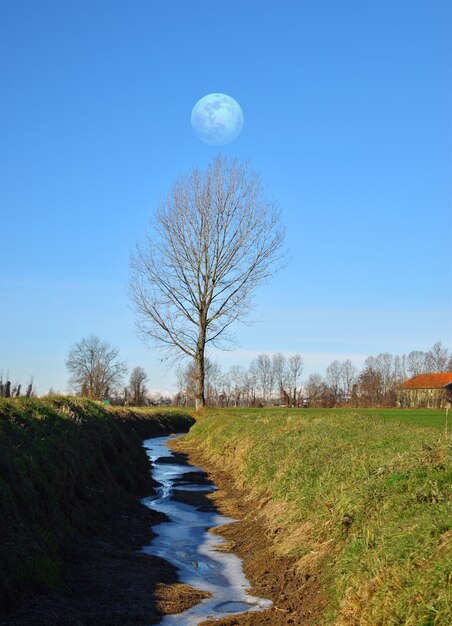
295 363
415 363
348 378
214 380
280 376
95 367
399 369
384 363
238 383
314 387
181 396
213 240
437 358
250 384
334 379
263 370
226 397
137 387
370 383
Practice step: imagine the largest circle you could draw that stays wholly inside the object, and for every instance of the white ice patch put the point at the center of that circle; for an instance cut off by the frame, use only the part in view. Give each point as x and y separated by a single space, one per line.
185 542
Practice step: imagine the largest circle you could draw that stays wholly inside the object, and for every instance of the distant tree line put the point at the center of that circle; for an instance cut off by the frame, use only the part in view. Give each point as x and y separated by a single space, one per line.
7 390
97 372
268 379
276 380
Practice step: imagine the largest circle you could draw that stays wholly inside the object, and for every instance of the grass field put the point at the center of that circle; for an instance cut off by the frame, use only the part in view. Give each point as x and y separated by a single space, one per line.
418 417
360 496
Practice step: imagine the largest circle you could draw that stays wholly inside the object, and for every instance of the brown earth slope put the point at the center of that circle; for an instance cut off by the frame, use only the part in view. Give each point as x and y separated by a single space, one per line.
297 600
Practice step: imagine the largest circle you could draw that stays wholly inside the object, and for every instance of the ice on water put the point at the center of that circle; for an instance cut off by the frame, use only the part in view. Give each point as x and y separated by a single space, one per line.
186 543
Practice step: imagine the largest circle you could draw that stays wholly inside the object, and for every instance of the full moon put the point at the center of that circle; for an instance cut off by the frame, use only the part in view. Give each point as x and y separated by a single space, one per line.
217 119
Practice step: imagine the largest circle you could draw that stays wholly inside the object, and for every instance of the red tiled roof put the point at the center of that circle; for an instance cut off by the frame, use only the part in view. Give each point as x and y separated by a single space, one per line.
428 381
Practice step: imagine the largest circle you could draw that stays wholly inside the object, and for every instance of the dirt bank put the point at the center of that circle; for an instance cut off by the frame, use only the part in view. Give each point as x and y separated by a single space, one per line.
71 475
298 599
110 582
106 580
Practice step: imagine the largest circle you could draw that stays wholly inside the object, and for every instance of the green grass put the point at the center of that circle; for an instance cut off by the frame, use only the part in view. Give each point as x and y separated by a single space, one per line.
360 496
66 464
419 417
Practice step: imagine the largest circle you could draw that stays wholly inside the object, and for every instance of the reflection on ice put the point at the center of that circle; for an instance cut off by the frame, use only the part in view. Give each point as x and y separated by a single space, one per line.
185 542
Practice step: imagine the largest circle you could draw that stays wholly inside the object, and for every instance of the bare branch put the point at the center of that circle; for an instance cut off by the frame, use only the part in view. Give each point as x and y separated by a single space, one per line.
212 241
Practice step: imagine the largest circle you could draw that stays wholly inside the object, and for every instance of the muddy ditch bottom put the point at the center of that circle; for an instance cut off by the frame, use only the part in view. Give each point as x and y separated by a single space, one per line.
110 581
200 556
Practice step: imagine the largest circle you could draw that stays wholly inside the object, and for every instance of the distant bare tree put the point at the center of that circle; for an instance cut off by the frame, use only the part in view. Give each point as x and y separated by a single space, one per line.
280 376
189 382
251 383
314 387
437 358
137 387
213 382
370 383
213 240
295 367
348 373
264 375
384 364
333 380
181 396
94 366
237 377
415 363
226 396
399 369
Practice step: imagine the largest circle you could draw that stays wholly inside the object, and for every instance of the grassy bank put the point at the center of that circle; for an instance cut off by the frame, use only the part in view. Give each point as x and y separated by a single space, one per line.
65 465
360 498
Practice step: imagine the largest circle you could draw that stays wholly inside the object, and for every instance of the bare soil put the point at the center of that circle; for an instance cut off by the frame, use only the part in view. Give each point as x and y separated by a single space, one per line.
297 597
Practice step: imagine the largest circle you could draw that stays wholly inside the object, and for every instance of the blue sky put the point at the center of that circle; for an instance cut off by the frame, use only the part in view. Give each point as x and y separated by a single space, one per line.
347 111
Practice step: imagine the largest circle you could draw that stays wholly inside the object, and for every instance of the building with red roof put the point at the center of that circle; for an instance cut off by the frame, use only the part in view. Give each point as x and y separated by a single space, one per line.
431 391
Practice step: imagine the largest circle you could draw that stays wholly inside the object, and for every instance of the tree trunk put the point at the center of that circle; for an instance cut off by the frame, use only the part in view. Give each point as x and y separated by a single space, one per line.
200 400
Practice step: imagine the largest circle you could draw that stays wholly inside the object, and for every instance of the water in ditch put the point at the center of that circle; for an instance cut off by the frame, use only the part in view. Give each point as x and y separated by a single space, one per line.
185 542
